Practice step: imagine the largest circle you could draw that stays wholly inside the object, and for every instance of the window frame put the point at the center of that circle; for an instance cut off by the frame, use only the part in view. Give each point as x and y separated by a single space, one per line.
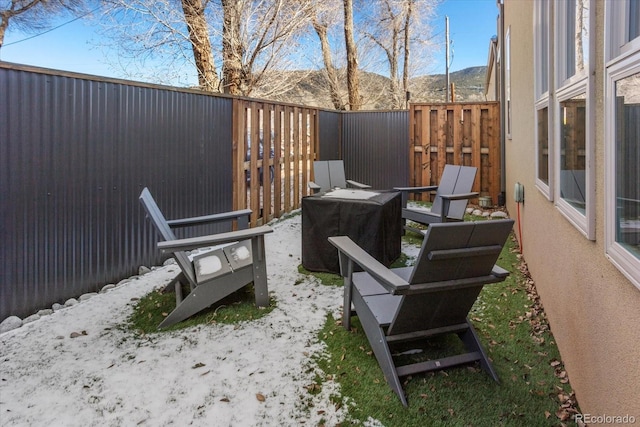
567 87
542 65
562 79
623 60
617 45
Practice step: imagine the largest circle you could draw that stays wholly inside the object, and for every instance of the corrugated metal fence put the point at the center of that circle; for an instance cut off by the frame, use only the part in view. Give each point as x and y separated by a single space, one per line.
375 148
75 155
77 150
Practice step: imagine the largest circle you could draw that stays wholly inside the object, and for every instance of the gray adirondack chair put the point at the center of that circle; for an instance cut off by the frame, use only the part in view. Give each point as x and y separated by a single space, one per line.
329 174
431 298
214 274
450 202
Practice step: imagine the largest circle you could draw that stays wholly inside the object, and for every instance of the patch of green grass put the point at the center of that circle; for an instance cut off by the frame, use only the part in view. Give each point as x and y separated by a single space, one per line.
238 307
327 279
523 352
331 279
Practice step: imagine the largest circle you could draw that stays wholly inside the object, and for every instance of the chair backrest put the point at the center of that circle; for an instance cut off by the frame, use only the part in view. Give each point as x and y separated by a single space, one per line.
329 174
162 227
454 180
457 253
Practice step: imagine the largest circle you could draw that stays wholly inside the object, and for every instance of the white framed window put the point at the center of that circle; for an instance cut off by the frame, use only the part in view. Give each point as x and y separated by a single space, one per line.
544 148
541 25
573 152
622 28
544 116
572 38
622 137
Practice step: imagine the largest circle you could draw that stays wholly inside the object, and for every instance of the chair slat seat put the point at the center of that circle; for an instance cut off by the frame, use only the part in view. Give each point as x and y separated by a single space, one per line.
450 201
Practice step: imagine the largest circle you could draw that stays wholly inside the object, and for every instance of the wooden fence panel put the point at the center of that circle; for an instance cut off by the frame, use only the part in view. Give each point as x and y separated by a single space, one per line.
273 145
457 133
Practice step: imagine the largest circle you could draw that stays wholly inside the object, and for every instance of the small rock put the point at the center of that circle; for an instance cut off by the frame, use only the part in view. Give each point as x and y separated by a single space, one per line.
485 214
143 270
77 334
469 211
30 319
70 302
86 296
105 288
499 214
57 307
477 212
169 261
10 323
45 312
122 282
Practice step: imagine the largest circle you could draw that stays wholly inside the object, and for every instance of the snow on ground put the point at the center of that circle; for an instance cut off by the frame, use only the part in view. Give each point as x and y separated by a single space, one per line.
210 375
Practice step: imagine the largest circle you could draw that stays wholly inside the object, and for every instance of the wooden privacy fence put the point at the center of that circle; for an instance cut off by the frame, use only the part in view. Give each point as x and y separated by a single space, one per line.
456 133
274 146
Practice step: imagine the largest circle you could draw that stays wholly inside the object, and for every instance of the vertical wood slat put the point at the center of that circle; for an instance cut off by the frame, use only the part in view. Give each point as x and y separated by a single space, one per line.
414 134
287 156
267 164
289 137
239 184
495 161
476 144
305 149
254 182
457 133
277 160
296 157
441 143
440 136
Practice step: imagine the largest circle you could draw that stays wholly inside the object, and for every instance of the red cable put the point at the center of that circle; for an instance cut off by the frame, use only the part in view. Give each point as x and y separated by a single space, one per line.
520 228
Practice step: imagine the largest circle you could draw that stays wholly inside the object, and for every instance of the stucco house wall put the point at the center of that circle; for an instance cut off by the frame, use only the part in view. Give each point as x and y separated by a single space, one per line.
593 309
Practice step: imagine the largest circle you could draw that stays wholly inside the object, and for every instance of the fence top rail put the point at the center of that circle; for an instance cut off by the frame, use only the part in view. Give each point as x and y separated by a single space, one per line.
91 77
445 104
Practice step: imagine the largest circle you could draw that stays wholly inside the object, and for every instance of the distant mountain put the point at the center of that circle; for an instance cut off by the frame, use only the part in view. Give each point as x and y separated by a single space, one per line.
468 86
310 88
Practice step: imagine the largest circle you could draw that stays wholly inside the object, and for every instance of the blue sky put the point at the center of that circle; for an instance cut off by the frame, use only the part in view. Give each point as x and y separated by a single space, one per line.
73 47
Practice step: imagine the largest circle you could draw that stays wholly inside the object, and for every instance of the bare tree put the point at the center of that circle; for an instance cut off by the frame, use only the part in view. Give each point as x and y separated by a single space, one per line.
353 82
391 25
387 36
194 15
34 15
407 47
156 32
249 38
269 41
322 18
232 49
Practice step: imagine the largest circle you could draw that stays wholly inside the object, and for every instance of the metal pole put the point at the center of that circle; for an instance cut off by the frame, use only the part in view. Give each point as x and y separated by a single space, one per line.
446 29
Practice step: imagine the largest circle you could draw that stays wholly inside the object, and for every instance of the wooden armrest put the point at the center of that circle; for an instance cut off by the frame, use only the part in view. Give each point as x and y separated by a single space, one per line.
197 220
461 196
417 189
387 278
315 188
358 184
212 240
